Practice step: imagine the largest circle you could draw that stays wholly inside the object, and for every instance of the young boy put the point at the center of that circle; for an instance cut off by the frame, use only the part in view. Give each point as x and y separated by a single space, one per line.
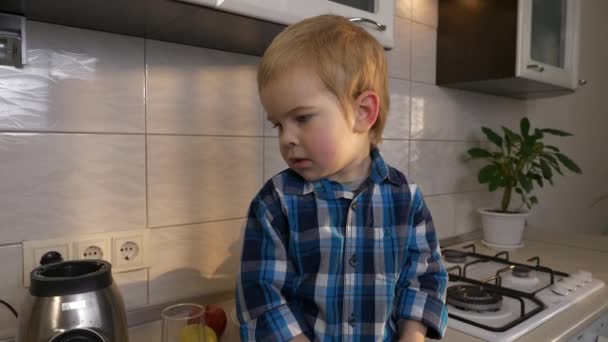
339 247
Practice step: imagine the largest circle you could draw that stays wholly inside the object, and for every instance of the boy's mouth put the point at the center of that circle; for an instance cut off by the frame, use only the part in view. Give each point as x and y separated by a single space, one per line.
299 162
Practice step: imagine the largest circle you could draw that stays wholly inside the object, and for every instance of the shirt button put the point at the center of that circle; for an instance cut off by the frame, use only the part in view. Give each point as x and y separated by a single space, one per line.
352 320
355 206
353 260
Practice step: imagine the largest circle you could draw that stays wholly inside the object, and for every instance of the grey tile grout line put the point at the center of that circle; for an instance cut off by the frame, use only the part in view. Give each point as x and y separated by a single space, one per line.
146 162
197 223
130 133
146 130
409 145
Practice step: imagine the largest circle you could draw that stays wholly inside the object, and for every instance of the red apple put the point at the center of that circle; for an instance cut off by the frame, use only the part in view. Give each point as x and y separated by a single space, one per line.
215 318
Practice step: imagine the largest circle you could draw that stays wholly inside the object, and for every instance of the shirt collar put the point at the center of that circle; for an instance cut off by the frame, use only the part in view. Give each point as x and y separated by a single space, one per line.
325 188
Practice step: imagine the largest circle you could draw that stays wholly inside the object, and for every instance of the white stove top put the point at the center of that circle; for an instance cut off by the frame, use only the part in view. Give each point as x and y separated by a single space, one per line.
542 300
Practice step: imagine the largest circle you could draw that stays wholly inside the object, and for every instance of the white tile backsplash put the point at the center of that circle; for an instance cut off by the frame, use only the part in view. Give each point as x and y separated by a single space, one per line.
273 161
133 287
58 184
439 167
11 287
399 58
398 119
425 12
403 9
195 179
194 259
424 47
396 153
75 80
201 91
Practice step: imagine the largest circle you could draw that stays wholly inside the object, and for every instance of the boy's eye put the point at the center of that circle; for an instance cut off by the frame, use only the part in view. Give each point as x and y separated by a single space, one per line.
303 118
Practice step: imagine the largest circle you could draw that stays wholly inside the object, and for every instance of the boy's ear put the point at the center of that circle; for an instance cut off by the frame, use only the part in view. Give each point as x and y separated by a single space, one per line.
366 108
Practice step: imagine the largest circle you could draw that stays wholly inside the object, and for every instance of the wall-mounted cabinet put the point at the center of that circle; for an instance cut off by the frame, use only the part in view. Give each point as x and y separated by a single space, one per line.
376 16
516 48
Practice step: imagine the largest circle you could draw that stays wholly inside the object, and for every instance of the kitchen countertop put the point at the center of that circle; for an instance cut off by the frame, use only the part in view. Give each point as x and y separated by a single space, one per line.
564 252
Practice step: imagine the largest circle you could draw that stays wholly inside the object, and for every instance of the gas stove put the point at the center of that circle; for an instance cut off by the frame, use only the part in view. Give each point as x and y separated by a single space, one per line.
495 299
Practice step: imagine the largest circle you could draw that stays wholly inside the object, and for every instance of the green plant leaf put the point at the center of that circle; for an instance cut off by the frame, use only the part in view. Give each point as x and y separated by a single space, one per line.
546 169
519 191
552 162
533 200
524 125
477 152
568 163
487 173
556 132
512 135
525 183
538 147
492 136
552 148
538 134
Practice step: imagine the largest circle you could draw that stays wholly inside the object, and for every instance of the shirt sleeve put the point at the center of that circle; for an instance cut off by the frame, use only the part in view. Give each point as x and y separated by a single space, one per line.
421 287
266 279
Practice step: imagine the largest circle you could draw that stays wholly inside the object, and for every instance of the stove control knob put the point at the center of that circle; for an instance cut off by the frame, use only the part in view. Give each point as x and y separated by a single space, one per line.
570 283
560 289
584 276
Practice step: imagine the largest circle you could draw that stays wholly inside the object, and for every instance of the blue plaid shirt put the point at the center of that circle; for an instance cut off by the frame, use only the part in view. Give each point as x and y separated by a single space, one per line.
338 265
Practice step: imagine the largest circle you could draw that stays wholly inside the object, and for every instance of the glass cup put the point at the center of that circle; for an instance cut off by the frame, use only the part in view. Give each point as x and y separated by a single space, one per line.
183 323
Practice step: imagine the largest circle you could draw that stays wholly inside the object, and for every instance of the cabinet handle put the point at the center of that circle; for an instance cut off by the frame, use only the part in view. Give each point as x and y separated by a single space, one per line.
582 82
380 27
536 66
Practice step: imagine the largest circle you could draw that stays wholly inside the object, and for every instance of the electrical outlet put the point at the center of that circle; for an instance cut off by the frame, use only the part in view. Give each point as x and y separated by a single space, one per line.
95 248
34 250
129 250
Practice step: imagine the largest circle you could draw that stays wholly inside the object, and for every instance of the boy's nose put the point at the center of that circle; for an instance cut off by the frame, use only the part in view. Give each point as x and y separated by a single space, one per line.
288 138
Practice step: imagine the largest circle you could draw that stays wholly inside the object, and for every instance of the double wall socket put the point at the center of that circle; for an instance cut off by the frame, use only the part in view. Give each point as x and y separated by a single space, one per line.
125 250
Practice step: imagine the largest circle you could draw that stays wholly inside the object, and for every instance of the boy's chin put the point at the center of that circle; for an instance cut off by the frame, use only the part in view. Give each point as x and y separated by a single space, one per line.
307 176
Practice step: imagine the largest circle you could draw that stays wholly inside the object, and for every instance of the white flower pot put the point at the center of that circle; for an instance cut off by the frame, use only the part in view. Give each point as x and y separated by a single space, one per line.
503 229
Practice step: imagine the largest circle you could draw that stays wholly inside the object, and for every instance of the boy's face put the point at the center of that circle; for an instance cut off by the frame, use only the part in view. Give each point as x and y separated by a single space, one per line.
316 140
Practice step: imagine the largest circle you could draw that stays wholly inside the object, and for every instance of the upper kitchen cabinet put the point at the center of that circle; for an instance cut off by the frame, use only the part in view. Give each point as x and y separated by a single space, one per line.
515 48
377 16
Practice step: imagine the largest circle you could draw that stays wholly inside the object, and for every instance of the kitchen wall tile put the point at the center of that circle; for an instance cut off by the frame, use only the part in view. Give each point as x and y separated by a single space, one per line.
466 217
192 90
11 287
133 287
424 46
425 12
396 153
455 214
59 184
398 118
439 167
269 129
75 80
198 179
273 162
399 57
448 114
403 9
194 259
442 208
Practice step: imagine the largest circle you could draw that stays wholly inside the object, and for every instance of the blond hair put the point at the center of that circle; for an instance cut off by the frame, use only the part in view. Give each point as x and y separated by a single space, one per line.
346 58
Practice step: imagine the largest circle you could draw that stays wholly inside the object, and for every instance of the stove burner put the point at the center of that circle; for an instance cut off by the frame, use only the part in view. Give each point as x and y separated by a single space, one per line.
521 271
454 256
475 298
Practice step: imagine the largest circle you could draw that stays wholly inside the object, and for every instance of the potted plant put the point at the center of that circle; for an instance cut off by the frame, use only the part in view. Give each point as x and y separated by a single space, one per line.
517 163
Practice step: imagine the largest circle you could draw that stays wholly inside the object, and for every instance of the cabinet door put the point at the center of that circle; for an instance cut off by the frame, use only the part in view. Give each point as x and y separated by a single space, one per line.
291 11
547 42
376 16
